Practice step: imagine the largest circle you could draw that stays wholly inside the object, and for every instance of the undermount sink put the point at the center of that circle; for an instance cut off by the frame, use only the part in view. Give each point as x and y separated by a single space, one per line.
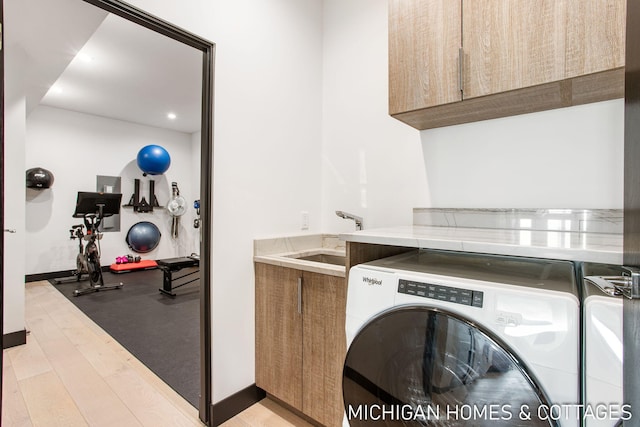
323 258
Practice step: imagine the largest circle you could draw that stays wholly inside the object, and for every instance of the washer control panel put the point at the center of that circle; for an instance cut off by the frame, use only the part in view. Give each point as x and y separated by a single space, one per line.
441 293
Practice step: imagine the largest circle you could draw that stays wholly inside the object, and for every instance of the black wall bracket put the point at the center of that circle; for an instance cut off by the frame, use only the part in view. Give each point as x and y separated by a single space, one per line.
141 205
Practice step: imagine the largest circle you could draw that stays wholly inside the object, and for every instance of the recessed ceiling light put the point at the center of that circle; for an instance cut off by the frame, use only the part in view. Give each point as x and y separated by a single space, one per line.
171 116
84 57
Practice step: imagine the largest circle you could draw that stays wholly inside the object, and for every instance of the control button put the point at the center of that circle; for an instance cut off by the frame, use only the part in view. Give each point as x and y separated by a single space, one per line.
477 298
441 293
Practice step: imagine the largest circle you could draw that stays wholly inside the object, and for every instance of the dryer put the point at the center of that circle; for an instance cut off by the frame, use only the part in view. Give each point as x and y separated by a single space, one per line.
452 338
602 346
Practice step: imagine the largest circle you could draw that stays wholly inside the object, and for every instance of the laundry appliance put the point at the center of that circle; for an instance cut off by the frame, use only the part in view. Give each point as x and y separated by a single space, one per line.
602 345
461 339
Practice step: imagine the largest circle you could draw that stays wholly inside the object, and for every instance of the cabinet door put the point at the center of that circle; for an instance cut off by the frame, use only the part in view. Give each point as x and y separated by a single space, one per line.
424 42
595 36
324 348
279 333
512 44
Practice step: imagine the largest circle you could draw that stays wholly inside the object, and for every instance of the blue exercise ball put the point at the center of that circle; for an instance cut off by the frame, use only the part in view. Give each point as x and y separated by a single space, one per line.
153 160
143 237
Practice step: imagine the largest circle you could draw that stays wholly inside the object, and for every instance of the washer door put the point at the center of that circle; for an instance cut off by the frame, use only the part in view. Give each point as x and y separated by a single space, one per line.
419 366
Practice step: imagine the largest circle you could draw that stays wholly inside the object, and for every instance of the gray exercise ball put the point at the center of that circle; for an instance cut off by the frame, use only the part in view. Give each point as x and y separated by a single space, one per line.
143 237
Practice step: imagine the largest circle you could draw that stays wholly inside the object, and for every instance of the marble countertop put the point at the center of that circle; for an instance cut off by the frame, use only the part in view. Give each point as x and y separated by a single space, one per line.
282 251
565 245
286 260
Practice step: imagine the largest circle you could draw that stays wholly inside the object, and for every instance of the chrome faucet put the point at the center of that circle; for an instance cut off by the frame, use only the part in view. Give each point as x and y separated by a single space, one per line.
346 215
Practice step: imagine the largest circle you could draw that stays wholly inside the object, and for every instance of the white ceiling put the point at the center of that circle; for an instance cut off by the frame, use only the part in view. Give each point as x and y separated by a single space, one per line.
134 74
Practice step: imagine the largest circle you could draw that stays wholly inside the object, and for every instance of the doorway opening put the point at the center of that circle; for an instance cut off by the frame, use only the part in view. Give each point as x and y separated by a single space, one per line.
204 134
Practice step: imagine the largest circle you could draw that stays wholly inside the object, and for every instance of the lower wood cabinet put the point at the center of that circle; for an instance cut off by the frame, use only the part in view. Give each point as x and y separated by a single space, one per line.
300 339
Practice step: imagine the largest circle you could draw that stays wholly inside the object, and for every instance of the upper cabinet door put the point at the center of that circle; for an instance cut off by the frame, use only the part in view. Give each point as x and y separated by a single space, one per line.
595 36
512 44
517 57
424 42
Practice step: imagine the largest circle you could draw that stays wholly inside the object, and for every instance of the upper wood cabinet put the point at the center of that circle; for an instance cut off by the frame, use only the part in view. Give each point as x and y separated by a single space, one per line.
510 57
424 38
511 44
595 36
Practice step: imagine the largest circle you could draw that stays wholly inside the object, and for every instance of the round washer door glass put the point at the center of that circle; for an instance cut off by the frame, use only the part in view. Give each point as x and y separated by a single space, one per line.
418 366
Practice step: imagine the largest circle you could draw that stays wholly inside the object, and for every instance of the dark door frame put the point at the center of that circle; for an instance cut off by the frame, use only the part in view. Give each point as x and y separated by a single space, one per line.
631 307
207 48
1 197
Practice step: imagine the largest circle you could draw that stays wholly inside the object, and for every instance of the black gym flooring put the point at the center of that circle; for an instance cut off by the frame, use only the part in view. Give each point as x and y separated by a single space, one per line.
160 331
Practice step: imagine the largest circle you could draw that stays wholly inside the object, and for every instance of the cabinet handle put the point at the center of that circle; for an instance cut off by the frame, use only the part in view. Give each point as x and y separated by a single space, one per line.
299 295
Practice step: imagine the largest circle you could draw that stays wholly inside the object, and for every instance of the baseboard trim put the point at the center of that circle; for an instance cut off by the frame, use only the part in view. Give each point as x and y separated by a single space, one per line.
56 275
294 411
14 339
46 276
236 403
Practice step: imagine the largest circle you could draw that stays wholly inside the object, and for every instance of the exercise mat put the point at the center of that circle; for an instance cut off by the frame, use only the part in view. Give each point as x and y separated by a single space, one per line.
163 333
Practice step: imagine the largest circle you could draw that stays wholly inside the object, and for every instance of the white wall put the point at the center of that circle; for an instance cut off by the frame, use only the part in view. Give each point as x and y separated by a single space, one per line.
14 190
372 163
566 158
378 167
266 157
76 148
267 137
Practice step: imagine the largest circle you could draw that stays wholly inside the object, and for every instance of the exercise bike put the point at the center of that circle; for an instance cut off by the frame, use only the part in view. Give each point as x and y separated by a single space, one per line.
77 232
92 208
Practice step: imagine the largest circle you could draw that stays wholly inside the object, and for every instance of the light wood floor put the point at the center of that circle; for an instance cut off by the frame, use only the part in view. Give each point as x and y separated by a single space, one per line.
266 413
72 373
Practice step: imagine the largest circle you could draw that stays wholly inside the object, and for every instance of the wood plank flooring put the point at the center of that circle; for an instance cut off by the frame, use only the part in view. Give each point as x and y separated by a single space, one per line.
266 413
72 373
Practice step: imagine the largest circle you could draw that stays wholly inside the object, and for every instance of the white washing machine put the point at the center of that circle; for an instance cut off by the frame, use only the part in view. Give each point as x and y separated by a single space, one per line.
602 346
447 338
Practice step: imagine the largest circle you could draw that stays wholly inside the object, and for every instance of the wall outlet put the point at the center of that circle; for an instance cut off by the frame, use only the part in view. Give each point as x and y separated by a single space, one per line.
304 220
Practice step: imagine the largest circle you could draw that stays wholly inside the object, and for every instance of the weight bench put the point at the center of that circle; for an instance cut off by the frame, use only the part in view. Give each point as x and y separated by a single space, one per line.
173 265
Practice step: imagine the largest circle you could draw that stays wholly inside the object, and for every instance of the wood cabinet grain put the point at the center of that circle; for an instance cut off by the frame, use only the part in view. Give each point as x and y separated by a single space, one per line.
595 36
511 57
300 340
424 37
278 333
324 346
510 45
